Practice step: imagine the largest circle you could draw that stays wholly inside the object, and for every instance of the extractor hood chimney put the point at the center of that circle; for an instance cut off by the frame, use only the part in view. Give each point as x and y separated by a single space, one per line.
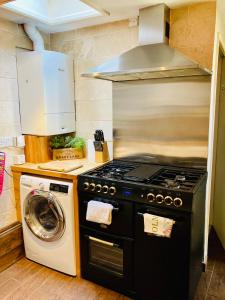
153 58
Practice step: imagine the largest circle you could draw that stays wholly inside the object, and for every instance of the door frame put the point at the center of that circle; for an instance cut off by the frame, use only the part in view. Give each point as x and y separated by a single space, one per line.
219 54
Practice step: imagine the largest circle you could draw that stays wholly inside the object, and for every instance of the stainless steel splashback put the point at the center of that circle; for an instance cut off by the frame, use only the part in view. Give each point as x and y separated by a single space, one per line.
161 117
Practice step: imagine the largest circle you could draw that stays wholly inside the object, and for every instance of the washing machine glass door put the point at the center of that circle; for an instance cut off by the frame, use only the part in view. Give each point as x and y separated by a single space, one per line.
44 215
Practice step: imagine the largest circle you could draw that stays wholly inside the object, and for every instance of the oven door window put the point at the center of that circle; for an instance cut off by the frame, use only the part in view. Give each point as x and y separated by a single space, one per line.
106 256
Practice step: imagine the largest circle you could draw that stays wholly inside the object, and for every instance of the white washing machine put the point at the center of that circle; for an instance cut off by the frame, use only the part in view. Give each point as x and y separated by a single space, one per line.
48 222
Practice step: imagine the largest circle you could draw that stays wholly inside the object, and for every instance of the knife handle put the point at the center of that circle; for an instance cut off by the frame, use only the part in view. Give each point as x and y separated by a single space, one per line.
98 146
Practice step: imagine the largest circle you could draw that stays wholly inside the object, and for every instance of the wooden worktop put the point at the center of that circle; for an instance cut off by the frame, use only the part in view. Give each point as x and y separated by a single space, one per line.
30 168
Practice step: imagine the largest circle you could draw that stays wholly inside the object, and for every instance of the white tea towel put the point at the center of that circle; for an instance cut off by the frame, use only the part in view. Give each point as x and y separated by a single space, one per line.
99 212
158 225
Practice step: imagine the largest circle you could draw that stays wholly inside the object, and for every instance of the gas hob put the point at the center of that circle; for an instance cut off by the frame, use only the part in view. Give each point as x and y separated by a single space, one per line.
162 185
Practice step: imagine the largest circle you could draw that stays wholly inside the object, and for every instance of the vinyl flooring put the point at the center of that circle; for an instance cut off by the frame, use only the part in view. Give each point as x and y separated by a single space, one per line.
28 280
212 282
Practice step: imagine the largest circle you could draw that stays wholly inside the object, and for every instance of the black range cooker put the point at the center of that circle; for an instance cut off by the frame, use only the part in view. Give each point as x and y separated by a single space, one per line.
122 256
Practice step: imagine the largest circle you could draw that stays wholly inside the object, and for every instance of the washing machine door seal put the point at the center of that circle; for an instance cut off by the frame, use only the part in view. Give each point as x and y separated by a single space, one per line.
44 215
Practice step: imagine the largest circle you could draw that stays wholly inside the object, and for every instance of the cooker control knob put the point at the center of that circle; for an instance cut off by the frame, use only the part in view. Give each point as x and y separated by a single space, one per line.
159 198
98 188
178 202
86 185
151 197
92 187
105 189
168 200
112 190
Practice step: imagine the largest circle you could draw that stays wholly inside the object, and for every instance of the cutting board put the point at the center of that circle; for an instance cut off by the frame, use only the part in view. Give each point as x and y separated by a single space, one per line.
60 166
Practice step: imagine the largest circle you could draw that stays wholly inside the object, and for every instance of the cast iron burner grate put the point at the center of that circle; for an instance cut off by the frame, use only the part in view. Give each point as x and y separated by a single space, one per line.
113 170
176 178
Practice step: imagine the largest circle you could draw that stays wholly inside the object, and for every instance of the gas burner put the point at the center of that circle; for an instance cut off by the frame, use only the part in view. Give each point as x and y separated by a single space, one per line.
184 179
175 178
171 183
180 178
113 170
176 182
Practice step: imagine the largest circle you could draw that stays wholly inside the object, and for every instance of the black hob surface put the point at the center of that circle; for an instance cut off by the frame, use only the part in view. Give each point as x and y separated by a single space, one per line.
158 185
176 178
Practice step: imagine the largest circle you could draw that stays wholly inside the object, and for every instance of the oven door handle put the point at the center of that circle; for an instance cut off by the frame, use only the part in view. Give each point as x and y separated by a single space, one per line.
116 209
101 241
176 219
140 214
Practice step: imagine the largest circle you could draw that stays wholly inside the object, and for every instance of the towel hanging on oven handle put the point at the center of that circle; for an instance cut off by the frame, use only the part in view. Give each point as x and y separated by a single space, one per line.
115 209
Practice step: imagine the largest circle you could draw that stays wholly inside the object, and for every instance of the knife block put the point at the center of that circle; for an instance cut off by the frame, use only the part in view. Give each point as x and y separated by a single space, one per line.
102 156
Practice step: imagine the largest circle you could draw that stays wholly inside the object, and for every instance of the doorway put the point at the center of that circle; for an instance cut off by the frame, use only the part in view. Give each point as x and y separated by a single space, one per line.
218 203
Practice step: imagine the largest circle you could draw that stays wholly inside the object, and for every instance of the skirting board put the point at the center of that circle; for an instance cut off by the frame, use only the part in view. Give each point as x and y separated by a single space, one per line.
11 241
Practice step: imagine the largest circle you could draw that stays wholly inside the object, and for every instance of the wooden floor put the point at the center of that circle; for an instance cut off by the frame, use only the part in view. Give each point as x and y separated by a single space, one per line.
212 283
28 280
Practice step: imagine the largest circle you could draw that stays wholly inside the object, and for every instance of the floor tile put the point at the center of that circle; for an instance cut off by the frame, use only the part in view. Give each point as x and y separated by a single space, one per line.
203 285
26 280
217 286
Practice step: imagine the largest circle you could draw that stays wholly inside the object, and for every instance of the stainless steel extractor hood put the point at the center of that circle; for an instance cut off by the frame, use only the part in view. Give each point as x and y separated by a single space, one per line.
153 58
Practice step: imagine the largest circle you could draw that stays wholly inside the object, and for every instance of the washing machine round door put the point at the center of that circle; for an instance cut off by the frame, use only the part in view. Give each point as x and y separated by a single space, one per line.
44 215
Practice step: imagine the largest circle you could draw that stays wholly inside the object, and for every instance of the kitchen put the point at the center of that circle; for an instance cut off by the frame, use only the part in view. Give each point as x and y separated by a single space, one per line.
87 45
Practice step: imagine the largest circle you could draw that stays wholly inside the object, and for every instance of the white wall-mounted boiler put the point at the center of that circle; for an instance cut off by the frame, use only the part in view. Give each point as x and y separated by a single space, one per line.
46 91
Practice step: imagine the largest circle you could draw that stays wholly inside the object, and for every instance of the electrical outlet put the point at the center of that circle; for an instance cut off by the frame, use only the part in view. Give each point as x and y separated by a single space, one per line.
6 141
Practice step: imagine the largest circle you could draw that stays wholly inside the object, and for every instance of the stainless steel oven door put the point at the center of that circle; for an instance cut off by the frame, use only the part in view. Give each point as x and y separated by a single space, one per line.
107 259
44 215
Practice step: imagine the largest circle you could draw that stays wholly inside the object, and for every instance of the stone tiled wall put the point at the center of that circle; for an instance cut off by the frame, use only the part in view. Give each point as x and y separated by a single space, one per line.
90 47
192 30
12 37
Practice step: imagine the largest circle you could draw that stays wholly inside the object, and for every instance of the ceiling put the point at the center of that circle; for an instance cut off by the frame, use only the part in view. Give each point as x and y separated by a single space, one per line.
57 15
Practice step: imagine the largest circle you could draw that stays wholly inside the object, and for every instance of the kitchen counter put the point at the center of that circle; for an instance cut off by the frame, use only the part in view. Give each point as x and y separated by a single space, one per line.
30 168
